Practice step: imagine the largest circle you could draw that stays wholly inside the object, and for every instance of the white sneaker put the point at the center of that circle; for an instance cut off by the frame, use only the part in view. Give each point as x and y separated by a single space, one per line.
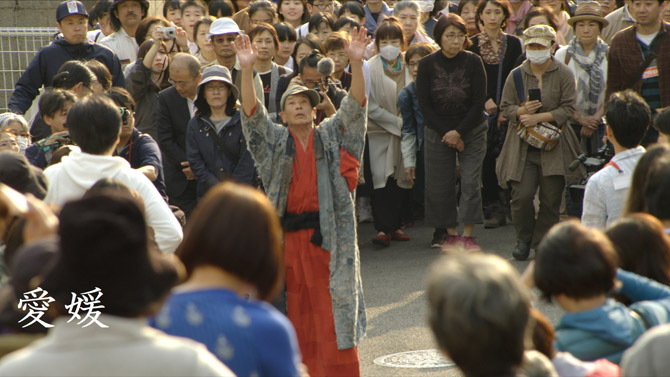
364 210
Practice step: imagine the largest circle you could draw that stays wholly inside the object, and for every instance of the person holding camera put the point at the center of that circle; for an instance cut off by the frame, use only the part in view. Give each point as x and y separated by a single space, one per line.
628 117
314 72
549 86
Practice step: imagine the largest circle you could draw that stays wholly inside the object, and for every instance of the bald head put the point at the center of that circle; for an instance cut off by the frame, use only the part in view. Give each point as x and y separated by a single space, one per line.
185 62
185 74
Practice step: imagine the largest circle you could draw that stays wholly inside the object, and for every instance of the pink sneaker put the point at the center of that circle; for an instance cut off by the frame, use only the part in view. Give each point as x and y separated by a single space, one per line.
470 244
452 241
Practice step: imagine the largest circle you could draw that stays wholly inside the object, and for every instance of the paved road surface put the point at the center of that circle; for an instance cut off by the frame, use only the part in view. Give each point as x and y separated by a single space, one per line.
394 286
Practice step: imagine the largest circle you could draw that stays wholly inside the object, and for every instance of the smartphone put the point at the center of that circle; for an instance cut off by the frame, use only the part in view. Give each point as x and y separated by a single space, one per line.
14 200
535 94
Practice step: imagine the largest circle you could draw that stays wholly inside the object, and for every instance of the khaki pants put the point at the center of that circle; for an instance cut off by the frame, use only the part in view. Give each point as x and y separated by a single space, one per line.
529 229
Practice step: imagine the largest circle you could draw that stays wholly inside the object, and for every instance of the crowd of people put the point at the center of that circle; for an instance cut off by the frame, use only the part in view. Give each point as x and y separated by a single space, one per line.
286 124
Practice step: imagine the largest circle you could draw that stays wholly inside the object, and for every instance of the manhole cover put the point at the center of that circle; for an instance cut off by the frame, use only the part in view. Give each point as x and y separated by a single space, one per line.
415 359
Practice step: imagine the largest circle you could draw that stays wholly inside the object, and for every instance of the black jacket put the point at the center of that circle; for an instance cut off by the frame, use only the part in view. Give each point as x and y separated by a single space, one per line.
209 162
142 150
48 61
172 120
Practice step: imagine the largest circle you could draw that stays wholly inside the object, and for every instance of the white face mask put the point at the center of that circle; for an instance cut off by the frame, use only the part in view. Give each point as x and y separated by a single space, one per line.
23 142
389 52
538 56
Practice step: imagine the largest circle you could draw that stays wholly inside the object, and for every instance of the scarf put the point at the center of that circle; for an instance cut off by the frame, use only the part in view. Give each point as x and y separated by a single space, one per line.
590 78
394 67
490 56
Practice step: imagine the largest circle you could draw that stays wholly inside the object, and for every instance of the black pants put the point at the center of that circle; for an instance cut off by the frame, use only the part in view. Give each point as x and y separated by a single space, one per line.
387 204
495 138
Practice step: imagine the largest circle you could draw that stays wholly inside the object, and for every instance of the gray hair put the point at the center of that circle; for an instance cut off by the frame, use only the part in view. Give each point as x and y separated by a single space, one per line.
7 118
405 4
478 306
186 61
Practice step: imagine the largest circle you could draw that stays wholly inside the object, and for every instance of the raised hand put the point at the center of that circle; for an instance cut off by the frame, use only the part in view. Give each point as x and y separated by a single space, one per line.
245 50
359 41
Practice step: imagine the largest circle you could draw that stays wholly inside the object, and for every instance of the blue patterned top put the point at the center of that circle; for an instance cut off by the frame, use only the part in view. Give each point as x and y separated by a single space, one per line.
251 337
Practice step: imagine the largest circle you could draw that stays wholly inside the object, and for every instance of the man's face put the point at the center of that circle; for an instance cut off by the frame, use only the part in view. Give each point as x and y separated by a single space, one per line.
189 17
312 78
130 13
184 82
648 12
127 129
74 28
298 110
223 45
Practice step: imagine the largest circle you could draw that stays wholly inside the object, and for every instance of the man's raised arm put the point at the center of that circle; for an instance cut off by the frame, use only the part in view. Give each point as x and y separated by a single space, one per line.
246 54
356 50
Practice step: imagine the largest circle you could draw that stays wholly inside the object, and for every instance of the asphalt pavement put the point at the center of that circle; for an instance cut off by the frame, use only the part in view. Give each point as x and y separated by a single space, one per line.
394 288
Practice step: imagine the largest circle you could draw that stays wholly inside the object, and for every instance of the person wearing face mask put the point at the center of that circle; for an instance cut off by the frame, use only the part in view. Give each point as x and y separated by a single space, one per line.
389 76
523 167
16 125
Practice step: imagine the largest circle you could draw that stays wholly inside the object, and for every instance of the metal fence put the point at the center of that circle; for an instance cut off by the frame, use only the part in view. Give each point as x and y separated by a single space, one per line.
18 47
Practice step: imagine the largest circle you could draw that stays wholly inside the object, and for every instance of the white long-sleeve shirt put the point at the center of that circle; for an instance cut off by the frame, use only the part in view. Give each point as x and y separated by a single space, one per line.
76 173
607 190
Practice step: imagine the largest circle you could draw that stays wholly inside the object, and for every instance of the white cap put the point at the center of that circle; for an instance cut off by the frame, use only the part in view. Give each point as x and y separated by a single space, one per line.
223 26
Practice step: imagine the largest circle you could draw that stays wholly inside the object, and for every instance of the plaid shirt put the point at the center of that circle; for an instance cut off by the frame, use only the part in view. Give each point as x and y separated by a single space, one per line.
625 58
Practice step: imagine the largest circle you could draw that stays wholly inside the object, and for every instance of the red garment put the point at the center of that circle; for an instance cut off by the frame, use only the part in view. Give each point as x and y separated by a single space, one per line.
307 277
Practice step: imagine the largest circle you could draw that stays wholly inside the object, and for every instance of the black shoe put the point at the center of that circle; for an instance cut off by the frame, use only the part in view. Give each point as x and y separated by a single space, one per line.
521 251
439 236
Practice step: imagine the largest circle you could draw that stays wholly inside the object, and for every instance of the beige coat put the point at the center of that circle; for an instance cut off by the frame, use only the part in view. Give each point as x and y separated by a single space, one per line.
384 127
558 98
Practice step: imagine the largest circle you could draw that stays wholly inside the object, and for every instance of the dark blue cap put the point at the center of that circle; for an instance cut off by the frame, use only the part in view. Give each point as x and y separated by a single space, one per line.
69 8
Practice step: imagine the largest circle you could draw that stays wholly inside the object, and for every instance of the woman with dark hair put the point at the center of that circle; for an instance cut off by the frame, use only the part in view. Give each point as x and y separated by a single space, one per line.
232 276
637 202
525 167
206 53
73 76
264 37
98 19
262 11
499 52
146 78
642 246
215 146
172 11
543 16
467 9
576 266
287 41
103 80
389 75
293 12
321 25
451 87
220 9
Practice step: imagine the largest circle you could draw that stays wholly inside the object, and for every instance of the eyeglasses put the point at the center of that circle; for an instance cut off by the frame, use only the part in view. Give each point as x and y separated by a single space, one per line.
216 88
324 6
453 37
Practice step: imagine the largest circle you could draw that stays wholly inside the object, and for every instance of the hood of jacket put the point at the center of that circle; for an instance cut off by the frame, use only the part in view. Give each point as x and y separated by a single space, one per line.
611 322
86 169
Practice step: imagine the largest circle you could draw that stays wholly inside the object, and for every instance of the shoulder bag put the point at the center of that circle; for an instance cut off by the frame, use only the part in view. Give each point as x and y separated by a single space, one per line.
544 135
